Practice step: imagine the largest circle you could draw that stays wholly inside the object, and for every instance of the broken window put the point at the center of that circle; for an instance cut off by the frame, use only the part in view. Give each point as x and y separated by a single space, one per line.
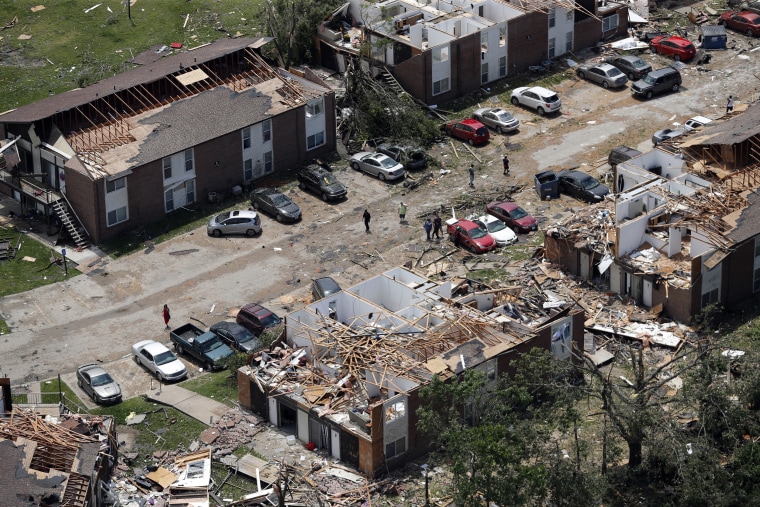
395 411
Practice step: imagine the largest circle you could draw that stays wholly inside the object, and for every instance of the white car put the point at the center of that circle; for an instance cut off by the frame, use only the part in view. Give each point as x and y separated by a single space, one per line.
539 98
158 360
498 230
377 164
696 122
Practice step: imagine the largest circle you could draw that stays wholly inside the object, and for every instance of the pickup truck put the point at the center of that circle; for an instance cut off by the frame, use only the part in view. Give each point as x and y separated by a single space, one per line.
205 346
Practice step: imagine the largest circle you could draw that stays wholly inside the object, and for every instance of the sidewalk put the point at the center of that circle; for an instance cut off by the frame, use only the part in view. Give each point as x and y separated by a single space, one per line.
198 407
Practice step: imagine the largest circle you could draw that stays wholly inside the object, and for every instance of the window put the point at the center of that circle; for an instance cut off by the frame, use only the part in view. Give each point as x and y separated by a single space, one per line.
188 160
266 128
483 42
502 36
757 265
552 13
246 138
167 162
395 448
552 43
491 370
610 23
315 140
570 15
395 411
568 42
440 54
484 73
315 109
113 185
190 191
502 66
248 170
117 216
756 286
441 86
268 166
169 200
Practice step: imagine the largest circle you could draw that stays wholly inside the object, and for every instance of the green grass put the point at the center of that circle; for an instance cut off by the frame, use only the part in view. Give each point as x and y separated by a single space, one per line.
221 386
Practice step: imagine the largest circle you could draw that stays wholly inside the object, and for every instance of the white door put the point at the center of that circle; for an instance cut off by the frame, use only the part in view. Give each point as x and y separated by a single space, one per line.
273 412
585 260
303 426
646 297
335 444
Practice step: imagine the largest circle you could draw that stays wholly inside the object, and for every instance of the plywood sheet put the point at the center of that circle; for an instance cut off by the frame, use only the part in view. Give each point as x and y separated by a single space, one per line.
162 477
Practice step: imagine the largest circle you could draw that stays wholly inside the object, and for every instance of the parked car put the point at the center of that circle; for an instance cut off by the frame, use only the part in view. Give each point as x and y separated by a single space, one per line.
665 134
256 318
656 82
321 181
413 158
496 118
581 186
468 234
324 287
95 381
204 346
377 164
603 73
633 66
695 123
621 154
276 204
513 215
536 97
501 234
158 360
744 21
235 222
236 336
675 46
469 130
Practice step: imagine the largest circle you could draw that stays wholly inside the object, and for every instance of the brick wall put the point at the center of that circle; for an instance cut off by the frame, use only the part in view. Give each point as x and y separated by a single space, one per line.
587 33
527 40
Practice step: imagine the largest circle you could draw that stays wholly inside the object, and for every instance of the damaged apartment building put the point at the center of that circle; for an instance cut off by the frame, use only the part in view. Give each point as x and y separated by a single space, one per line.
346 377
438 51
683 231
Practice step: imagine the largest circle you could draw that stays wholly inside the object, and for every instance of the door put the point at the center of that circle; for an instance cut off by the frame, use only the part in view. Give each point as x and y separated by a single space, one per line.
273 412
335 441
646 296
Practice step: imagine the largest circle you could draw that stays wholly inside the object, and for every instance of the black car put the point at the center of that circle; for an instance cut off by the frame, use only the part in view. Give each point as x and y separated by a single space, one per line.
276 204
322 182
582 186
412 158
632 66
324 287
236 336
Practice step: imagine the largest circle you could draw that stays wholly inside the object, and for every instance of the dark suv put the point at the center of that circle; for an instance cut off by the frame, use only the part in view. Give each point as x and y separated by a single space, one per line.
656 82
256 318
412 158
322 182
622 154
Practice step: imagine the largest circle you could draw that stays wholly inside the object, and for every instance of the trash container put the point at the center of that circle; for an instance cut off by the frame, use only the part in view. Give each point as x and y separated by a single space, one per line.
212 197
547 185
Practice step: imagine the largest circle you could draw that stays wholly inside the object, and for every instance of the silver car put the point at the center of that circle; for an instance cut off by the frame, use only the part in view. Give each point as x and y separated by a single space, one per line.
235 222
98 384
498 119
666 134
158 360
605 74
377 164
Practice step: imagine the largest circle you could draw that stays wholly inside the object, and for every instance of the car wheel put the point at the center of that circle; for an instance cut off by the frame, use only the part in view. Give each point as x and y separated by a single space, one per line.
355 165
472 249
79 383
324 197
605 85
136 359
255 205
515 101
649 94
470 142
675 87
301 185
750 34
159 377
216 233
499 130
250 233
540 111
208 366
180 349
381 176
631 76
582 75
677 58
278 217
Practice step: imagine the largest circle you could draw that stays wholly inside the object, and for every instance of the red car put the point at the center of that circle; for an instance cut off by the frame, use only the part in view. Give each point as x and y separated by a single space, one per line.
468 130
468 234
675 46
255 318
513 215
745 21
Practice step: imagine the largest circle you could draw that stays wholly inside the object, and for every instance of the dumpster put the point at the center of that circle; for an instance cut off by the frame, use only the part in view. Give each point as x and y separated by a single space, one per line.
547 185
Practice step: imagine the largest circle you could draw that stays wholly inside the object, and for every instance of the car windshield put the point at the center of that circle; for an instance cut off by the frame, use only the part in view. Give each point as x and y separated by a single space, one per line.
638 63
387 162
102 380
280 200
244 336
648 79
496 226
481 131
329 179
504 115
477 232
517 213
223 216
270 320
613 72
164 358
589 183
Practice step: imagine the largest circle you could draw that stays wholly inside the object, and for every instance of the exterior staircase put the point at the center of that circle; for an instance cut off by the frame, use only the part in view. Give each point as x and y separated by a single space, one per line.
71 223
390 82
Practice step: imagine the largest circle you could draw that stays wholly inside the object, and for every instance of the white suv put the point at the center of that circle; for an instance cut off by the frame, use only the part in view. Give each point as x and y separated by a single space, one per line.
538 98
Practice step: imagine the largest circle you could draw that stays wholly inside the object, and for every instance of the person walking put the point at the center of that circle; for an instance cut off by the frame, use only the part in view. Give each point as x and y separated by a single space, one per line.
471 170
366 217
505 163
437 226
428 225
167 316
730 104
401 212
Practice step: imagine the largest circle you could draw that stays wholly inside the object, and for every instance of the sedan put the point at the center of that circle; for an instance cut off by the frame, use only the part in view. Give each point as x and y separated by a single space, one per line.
633 66
536 97
468 234
582 186
377 164
513 215
236 336
745 21
665 134
498 230
675 46
276 204
412 157
234 222
498 119
158 360
602 73
98 384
